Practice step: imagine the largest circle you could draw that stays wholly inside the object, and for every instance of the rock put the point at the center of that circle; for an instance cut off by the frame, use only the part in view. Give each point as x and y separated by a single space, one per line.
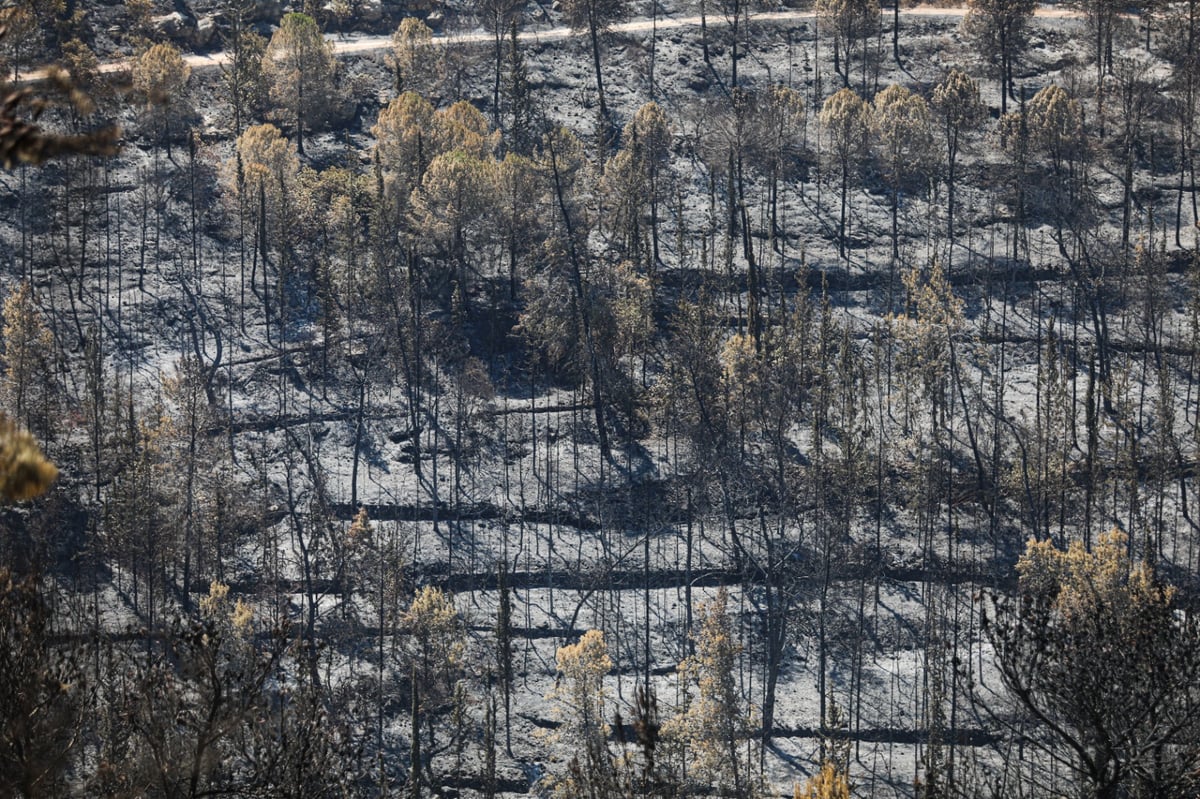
371 11
435 20
368 12
269 10
171 25
206 31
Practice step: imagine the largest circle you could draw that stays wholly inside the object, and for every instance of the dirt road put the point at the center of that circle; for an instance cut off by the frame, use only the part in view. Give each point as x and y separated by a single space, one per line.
357 44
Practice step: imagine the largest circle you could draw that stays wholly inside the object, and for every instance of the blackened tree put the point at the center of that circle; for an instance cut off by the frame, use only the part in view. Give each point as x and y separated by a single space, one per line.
998 28
595 17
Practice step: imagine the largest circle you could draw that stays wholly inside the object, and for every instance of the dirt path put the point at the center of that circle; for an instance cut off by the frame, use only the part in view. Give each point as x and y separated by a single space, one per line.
358 44
367 44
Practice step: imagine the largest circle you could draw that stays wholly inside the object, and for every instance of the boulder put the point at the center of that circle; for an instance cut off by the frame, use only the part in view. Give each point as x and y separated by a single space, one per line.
171 25
206 31
265 10
370 11
363 12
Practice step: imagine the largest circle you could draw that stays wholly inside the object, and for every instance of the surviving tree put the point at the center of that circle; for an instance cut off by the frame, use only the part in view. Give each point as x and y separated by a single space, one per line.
160 77
1095 654
300 69
905 140
846 118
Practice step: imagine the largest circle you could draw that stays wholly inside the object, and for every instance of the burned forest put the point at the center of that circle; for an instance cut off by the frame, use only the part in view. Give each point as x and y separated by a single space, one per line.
599 399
